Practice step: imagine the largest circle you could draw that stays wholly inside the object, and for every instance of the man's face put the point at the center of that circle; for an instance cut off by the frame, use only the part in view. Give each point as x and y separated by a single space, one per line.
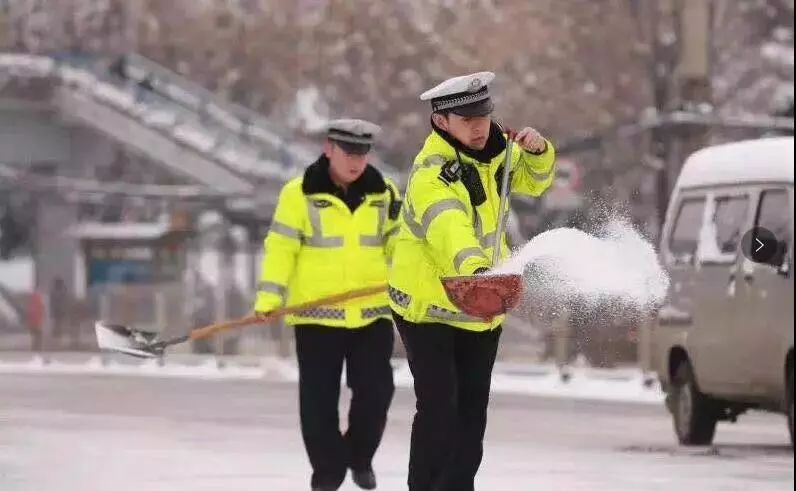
344 167
471 132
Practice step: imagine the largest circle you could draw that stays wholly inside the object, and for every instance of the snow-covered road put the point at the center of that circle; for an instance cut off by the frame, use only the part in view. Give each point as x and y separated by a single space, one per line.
118 433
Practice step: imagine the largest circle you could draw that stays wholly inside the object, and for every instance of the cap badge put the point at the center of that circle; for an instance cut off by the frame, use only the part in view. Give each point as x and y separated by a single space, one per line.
475 85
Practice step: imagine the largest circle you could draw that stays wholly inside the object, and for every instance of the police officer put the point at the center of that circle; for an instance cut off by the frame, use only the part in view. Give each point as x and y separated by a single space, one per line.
333 230
448 226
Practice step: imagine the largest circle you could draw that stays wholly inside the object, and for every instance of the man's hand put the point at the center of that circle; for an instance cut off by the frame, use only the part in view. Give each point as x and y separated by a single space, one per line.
263 316
531 140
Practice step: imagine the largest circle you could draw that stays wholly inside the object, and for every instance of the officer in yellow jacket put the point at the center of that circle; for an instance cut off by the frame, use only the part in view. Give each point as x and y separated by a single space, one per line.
333 230
448 226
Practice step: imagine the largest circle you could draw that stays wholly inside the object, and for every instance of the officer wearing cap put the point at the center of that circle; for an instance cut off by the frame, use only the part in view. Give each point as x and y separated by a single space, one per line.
448 226
333 231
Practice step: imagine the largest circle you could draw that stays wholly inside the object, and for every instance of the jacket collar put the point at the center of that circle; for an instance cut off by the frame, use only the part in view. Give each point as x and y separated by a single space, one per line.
495 144
317 180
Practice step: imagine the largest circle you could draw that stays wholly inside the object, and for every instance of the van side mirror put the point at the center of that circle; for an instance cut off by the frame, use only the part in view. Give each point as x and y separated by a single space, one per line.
780 256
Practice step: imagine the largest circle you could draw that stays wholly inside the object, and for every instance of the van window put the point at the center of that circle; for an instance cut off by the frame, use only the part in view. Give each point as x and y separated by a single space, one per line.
729 217
685 233
774 213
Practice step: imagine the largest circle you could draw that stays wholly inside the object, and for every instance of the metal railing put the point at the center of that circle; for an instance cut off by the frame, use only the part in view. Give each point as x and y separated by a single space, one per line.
236 138
196 119
172 309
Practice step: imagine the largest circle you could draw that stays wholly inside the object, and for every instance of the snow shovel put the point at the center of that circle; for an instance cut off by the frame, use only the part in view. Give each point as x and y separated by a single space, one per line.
486 296
145 344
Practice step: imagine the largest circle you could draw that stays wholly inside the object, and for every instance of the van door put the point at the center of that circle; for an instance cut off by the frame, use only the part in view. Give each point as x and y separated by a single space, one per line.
714 340
767 297
678 318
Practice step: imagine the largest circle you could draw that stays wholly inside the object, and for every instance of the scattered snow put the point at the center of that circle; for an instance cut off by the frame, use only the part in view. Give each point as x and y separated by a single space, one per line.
778 53
264 134
238 156
569 268
115 96
78 78
228 120
669 314
197 137
182 96
27 64
159 117
705 107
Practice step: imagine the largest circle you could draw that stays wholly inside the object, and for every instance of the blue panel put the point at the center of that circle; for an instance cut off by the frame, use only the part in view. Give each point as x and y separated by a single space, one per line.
102 271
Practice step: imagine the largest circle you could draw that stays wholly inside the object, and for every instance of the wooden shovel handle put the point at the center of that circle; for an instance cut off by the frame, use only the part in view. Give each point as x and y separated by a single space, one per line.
207 331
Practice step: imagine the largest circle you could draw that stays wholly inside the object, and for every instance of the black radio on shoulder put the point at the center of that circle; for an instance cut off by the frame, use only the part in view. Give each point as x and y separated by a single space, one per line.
450 172
454 170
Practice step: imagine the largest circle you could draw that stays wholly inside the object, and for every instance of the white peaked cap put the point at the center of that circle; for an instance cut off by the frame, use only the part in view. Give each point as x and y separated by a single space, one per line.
463 84
467 95
352 130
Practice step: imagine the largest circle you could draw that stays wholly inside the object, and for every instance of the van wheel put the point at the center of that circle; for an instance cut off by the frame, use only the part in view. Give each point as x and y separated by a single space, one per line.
789 404
693 413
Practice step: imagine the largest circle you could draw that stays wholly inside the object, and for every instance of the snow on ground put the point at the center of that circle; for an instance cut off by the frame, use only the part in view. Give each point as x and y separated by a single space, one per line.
17 274
93 433
537 380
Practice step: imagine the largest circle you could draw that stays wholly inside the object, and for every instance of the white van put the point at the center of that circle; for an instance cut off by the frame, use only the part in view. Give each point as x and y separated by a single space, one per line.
723 343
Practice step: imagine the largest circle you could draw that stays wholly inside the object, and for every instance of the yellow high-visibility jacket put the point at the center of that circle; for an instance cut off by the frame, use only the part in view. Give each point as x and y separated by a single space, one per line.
449 222
317 247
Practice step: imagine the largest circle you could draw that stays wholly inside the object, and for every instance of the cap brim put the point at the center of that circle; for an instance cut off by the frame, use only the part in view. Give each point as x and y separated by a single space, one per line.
476 109
352 148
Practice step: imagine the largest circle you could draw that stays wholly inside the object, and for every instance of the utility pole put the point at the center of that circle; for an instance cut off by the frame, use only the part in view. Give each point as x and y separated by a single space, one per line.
5 25
679 34
693 71
132 22
661 33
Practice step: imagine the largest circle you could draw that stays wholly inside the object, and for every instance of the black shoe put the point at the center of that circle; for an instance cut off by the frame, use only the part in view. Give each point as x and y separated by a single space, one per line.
364 479
325 488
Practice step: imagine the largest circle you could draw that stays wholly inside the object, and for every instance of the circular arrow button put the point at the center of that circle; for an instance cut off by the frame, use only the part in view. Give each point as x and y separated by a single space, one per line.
759 245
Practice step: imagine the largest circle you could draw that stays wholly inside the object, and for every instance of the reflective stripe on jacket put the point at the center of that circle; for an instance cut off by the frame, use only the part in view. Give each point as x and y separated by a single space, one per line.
448 228
317 247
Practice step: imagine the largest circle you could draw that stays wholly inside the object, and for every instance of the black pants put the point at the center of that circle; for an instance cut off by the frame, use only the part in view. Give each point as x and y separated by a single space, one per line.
321 351
452 370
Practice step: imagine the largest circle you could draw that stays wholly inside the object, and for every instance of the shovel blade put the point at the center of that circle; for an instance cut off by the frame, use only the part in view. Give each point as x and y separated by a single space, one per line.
123 339
484 296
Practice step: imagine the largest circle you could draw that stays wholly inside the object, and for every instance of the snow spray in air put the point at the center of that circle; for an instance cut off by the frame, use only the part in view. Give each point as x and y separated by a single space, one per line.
614 271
